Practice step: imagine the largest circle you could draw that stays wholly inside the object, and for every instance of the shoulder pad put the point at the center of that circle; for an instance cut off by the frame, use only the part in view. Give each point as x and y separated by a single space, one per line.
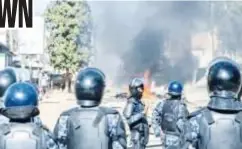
68 112
5 129
108 110
197 112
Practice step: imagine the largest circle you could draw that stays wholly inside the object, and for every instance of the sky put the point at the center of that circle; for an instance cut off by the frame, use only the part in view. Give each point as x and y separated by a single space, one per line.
40 5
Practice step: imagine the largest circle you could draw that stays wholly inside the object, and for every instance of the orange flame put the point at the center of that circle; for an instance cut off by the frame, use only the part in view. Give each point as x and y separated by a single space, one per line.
147 86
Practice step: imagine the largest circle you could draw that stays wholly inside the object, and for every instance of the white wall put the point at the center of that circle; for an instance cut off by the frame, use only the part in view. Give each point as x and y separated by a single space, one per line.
31 40
203 48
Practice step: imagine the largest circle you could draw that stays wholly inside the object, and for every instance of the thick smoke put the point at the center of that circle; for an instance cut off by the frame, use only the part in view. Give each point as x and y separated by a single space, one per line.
133 37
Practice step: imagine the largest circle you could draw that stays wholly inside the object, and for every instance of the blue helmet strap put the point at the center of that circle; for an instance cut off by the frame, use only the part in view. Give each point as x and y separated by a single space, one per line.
21 112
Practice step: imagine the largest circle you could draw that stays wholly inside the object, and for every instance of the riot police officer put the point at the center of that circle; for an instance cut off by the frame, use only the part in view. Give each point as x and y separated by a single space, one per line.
219 124
169 117
20 105
90 126
135 114
7 78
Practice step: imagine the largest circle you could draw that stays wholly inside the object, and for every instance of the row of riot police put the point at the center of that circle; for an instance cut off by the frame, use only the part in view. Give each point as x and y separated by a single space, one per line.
87 126
168 119
217 125
90 125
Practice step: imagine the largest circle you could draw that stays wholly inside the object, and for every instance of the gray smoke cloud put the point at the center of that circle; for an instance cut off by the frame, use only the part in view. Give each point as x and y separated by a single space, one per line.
132 37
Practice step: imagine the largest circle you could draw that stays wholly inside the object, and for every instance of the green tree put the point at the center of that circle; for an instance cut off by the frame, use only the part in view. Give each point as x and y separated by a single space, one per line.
69 26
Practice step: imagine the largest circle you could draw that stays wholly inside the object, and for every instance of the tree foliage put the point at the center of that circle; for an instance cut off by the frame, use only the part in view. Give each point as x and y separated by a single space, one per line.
69 26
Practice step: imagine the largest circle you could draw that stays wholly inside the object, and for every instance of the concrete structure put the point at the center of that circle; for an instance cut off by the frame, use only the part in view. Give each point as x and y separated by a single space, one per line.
6 56
203 48
8 45
31 40
32 43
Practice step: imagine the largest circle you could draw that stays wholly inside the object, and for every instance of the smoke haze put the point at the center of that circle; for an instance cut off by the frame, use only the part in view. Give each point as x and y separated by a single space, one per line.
133 37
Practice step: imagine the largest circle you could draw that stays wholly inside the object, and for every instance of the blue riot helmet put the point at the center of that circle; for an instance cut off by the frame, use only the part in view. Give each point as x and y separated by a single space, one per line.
224 79
89 87
175 88
7 78
220 59
21 94
21 101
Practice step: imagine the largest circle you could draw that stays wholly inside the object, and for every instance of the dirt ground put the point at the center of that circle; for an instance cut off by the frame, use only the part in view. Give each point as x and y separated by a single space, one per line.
52 107
58 102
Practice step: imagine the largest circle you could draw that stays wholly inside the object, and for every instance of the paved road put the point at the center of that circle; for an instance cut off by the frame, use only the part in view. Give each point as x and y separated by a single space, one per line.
58 102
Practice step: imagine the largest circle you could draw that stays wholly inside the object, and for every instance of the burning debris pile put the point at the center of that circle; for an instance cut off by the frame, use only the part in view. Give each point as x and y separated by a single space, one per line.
147 94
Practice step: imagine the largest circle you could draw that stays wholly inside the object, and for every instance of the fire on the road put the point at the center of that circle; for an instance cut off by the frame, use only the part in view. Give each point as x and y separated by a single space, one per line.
147 86
147 94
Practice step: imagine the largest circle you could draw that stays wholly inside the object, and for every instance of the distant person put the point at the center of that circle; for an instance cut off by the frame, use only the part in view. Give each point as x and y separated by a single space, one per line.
35 76
68 79
44 83
63 83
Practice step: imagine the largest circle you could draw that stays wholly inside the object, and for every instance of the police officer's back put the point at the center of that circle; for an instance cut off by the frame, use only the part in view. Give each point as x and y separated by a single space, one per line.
7 78
169 116
90 126
219 124
20 106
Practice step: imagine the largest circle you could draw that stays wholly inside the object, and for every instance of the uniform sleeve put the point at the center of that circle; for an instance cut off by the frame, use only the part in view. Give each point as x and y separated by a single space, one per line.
182 117
128 114
117 131
49 140
60 131
192 133
157 118
3 119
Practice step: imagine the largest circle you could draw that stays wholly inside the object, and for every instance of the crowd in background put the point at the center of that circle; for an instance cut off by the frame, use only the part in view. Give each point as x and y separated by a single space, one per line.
44 80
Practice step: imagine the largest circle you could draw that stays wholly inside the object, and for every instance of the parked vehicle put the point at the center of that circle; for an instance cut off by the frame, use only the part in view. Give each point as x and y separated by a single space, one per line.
57 81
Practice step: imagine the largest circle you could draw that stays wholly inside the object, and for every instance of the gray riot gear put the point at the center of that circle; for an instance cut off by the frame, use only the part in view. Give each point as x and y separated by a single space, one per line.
94 128
218 125
224 83
169 120
137 122
20 107
89 87
31 136
217 130
136 88
170 116
90 126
